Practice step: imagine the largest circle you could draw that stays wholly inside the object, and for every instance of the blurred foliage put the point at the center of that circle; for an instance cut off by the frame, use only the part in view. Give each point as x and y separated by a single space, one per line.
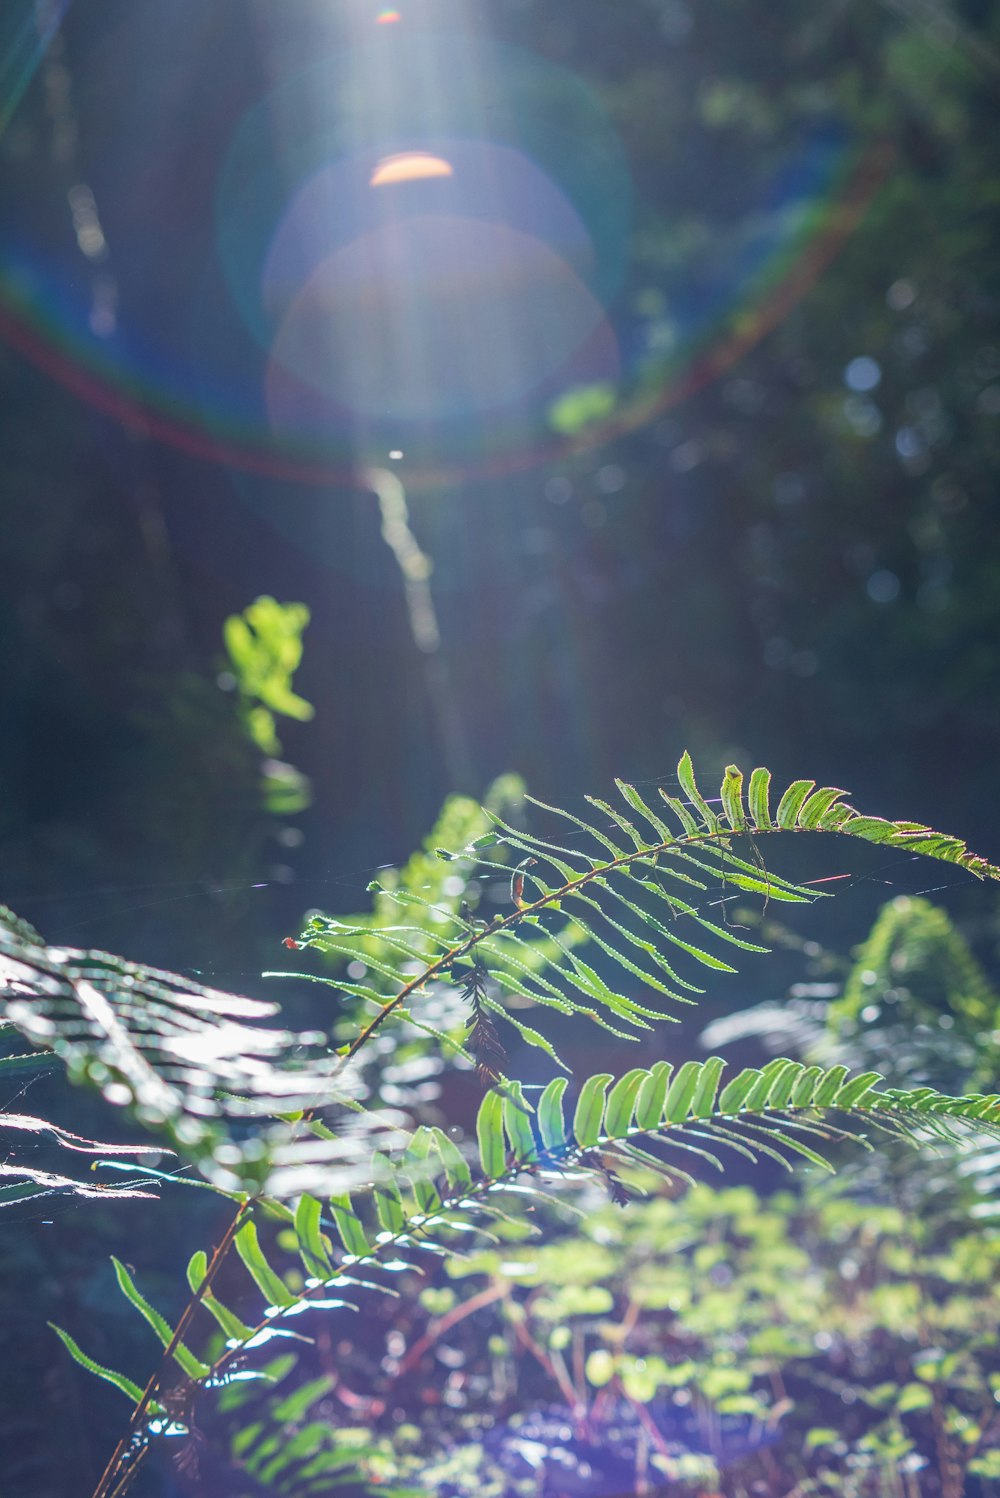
264 644
577 409
915 982
265 651
742 1338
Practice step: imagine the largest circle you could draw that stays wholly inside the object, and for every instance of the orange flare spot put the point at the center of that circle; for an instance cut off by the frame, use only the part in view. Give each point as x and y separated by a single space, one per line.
410 166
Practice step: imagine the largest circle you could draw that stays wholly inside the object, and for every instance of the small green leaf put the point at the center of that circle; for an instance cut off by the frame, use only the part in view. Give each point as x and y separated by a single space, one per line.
821 1435
707 959
815 809
636 802
759 1096
456 1167
192 1366
270 1285
234 1329
652 1096
685 774
681 812
765 886
489 1130
416 1163
802 1092
914 1397
784 1085
682 1091
854 1092
590 1109
872 829
791 802
732 797
829 1086
618 1114
757 795
838 814
388 1200
799 1148
703 1102
312 1249
517 1120
551 1124
529 1035
736 1092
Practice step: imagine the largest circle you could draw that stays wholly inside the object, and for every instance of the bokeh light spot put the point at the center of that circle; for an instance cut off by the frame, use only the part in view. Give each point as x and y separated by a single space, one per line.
883 586
862 374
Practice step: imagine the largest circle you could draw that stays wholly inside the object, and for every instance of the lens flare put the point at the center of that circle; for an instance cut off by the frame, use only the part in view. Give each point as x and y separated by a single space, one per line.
387 17
494 304
409 166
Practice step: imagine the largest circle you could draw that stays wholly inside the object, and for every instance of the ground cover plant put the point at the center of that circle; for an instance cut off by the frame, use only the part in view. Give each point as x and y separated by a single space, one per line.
340 1190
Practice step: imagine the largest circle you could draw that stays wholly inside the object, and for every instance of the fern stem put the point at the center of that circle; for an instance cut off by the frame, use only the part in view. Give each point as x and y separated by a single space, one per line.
578 1411
409 1230
552 897
444 1324
111 1472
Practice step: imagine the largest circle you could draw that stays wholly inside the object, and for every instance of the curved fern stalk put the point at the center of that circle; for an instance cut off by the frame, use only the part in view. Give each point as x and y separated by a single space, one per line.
636 883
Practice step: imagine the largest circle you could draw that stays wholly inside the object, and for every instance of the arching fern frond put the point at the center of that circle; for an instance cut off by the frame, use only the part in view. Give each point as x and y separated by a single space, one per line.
659 1121
636 881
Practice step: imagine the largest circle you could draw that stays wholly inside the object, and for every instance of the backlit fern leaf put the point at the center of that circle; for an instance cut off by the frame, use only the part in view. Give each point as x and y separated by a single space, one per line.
657 1121
634 883
185 1060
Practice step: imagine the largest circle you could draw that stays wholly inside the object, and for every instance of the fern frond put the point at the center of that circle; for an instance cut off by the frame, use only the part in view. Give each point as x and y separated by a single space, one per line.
185 1060
616 882
188 1060
419 1201
25 1181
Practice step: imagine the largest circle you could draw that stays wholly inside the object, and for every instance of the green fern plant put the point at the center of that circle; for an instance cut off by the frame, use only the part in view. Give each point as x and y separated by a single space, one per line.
628 886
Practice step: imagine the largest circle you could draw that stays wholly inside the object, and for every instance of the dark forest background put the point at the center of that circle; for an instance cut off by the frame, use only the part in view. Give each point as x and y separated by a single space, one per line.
775 541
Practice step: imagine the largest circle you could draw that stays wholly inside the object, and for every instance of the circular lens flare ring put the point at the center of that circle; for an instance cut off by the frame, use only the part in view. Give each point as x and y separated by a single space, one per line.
150 414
